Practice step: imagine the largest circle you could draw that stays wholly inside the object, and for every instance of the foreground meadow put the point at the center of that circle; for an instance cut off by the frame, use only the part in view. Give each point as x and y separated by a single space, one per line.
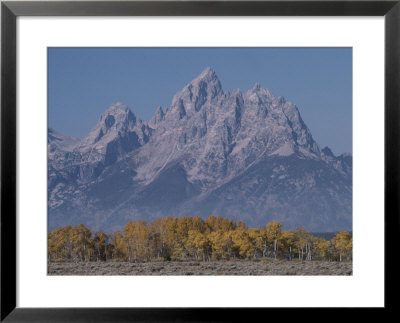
263 267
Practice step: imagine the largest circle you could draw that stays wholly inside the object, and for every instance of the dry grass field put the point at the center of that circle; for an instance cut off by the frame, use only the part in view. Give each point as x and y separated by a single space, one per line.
213 268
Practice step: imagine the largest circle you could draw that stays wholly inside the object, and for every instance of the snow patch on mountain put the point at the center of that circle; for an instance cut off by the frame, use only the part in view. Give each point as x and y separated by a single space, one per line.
286 150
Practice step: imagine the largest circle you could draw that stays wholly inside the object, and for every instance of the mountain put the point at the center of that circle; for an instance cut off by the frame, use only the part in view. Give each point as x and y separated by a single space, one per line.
247 156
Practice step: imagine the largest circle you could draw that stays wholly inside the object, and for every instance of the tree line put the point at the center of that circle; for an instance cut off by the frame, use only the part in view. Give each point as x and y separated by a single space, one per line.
192 238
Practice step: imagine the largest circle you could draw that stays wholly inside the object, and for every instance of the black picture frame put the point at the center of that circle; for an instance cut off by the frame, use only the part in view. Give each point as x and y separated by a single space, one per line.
10 10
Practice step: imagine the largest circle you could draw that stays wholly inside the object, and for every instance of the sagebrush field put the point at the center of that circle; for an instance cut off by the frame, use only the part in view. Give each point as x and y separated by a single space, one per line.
240 267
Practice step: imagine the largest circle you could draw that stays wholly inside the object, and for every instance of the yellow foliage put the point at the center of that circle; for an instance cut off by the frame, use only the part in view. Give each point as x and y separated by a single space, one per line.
175 238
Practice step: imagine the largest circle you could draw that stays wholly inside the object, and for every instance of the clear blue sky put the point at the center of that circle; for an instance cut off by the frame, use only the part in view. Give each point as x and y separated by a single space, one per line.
83 82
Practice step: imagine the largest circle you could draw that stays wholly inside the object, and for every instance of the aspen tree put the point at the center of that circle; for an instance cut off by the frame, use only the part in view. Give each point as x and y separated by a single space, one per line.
274 233
342 244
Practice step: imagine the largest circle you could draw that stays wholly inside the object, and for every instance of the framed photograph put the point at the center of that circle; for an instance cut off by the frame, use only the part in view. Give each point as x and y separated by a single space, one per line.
167 161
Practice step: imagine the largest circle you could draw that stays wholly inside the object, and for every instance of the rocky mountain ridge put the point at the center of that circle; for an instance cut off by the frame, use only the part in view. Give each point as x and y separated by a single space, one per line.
248 156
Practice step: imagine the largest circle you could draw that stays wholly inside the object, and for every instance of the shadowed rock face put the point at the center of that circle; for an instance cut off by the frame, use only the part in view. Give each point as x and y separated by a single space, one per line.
247 156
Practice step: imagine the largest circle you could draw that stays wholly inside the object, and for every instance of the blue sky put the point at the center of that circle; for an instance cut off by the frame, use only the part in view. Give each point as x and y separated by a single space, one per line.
83 82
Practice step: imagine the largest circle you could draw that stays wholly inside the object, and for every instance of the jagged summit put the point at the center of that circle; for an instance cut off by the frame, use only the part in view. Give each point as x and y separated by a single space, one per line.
328 152
204 88
116 119
118 127
157 117
258 88
207 75
117 109
259 95
208 78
